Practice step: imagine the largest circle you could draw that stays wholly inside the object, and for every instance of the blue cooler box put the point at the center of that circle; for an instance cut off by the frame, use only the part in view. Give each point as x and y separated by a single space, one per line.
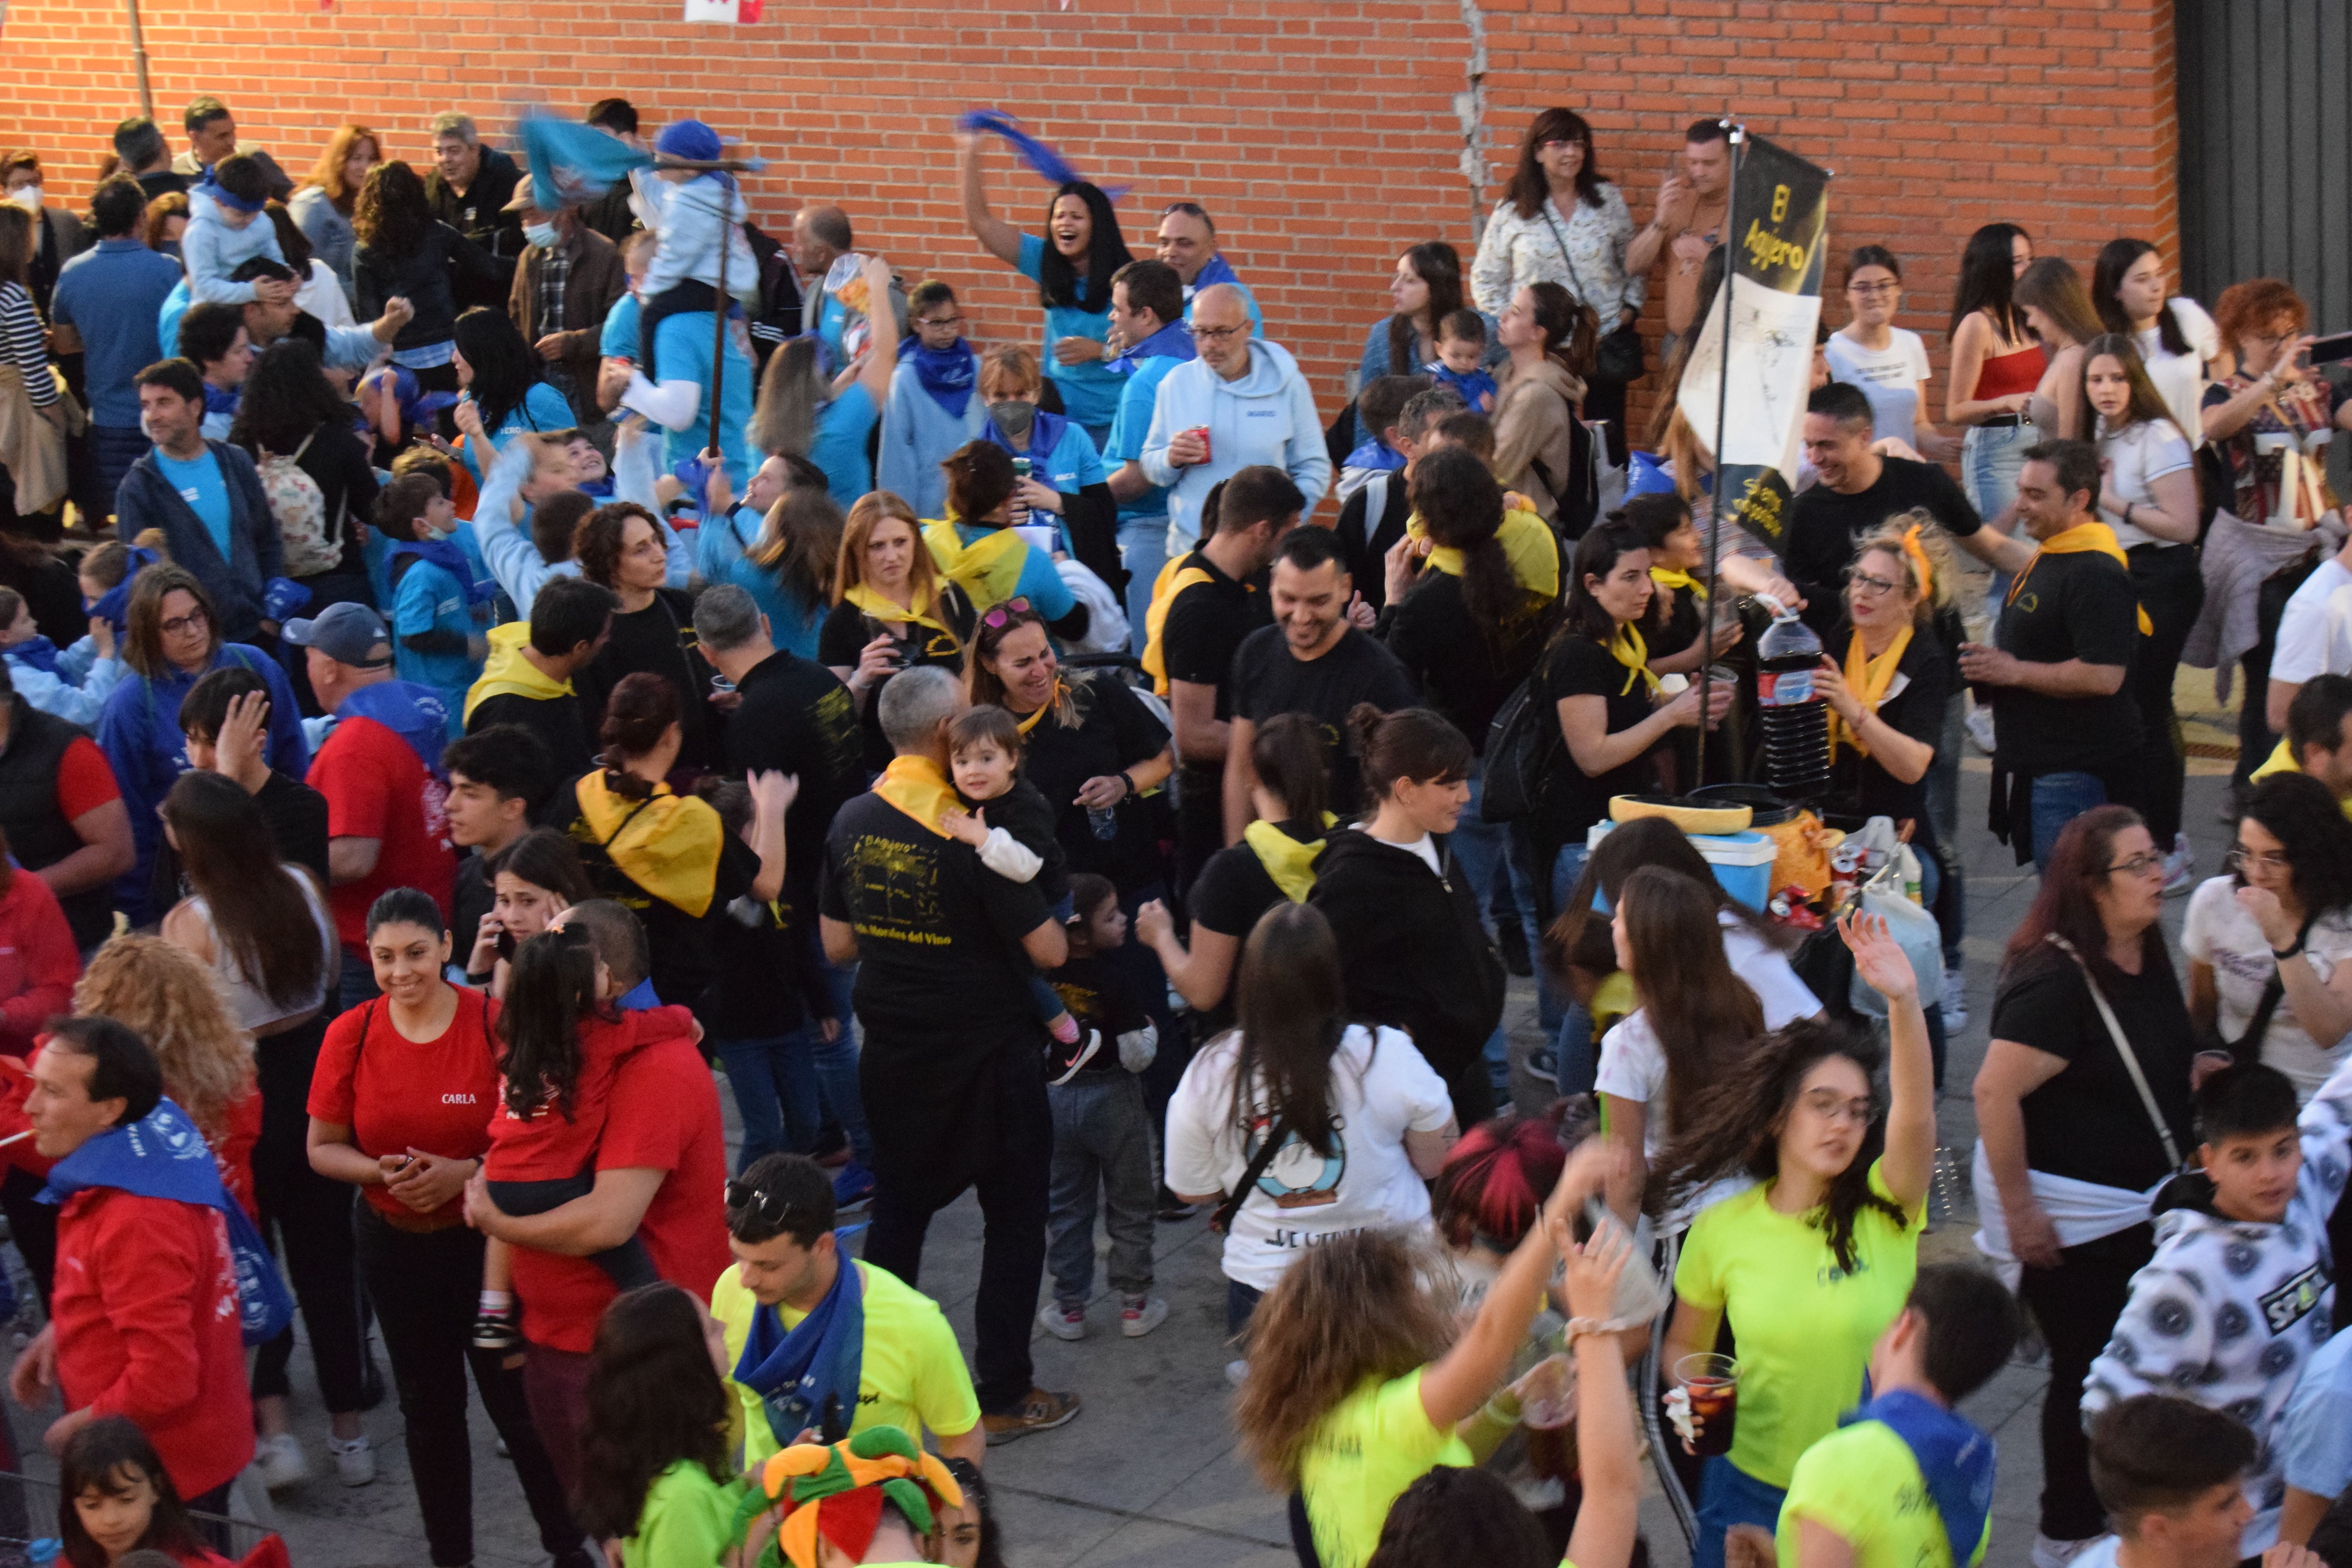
1742 861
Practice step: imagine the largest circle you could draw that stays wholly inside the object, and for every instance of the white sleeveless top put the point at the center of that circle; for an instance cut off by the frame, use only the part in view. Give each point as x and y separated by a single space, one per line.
253 1008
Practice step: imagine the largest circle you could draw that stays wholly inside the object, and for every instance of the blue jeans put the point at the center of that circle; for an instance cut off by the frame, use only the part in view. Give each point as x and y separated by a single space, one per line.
1990 460
1143 551
2058 799
1484 850
1573 1054
810 1075
1728 1495
1102 1143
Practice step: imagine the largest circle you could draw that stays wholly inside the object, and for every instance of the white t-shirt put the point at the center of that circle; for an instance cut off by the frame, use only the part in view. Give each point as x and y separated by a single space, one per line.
2315 634
2181 378
2142 453
1889 377
2219 933
1380 1088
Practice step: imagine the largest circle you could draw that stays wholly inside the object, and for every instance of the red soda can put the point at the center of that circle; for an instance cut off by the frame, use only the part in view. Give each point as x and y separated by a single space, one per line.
1203 432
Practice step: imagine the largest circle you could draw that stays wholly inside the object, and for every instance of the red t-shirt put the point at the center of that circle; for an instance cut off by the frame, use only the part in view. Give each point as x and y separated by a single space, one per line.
664 1116
38 961
551 1146
376 787
240 1131
397 1094
85 782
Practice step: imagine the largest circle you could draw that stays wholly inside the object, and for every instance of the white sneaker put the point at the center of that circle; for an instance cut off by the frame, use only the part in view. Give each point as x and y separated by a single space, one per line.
1979 725
1955 1001
354 1460
1062 1322
281 1462
2049 1554
2180 866
1139 1315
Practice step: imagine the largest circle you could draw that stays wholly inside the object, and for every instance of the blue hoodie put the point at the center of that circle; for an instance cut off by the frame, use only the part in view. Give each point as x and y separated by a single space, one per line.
1265 415
917 436
139 733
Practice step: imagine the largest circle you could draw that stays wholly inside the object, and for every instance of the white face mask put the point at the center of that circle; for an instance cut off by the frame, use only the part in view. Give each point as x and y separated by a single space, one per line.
540 234
26 196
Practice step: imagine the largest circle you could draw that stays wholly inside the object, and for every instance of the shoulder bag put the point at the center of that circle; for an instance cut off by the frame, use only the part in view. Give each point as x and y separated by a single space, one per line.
1277 1135
2124 1050
1618 357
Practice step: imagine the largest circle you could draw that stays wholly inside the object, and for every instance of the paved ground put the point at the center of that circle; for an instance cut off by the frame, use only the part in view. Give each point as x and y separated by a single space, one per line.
1148 1473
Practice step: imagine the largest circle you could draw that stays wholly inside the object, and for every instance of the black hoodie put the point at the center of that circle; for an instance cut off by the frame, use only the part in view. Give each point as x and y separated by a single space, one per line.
1412 952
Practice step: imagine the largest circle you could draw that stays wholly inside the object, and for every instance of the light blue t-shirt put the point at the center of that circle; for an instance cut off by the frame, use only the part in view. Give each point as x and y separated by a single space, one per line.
620 337
2315 1434
105 295
1090 391
200 484
430 600
541 408
1133 424
838 444
682 348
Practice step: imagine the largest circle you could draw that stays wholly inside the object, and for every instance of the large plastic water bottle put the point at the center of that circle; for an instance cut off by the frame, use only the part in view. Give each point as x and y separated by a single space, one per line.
1796 717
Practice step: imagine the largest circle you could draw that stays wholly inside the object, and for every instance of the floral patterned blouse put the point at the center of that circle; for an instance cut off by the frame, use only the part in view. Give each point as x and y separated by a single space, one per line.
1516 251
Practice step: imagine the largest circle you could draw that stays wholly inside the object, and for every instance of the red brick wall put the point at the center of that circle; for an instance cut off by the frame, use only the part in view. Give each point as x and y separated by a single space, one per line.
1323 134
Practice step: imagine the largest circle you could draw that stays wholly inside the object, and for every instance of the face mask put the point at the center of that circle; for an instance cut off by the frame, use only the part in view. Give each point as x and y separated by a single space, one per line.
29 197
1014 420
540 234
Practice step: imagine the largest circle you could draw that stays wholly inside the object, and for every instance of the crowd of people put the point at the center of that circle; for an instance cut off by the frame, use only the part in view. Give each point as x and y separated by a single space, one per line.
480 651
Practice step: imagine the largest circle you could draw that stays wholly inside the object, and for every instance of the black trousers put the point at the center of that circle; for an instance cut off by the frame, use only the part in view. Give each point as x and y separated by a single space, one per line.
312 1218
2171 589
425 1288
2256 739
1012 1182
2077 1304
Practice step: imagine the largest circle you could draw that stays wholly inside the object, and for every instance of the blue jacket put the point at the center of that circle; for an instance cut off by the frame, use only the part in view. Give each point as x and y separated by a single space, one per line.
139 733
917 436
147 500
72 683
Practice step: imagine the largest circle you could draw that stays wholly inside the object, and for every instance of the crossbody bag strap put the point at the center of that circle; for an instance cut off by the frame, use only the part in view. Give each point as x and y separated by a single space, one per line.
1276 1136
2124 1050
2248 1046
1560 239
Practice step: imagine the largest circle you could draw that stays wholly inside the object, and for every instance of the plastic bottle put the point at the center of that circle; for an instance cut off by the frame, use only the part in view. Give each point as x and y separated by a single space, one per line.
1795 716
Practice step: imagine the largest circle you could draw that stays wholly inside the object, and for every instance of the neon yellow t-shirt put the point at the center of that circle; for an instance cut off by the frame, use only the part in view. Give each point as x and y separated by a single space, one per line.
685 1519
1862 1482
1804 1326
1362 1454
912 1376
2282 761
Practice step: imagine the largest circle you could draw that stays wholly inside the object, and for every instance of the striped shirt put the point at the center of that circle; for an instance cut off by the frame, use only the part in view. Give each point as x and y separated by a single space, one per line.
24 345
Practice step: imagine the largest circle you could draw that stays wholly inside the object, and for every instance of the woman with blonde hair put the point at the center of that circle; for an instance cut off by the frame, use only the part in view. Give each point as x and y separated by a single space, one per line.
2057 308
892 610
322 207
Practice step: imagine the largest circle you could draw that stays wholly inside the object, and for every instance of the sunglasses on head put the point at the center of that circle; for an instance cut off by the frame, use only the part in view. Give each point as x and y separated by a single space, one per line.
744 1199
1003 615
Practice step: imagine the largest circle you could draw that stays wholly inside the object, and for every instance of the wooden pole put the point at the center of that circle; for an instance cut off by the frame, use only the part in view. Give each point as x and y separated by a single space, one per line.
1722 406
139 59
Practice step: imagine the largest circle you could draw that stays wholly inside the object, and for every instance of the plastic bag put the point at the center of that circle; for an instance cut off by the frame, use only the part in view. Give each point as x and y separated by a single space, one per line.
1921 940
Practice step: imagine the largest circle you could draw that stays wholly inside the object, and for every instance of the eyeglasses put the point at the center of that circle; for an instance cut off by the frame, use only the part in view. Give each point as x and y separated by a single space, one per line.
1832 1106
1868 586
2239 860
1547 143
1218 334
1873 288
942 322
1004 613
2137 865
194 620
744 1199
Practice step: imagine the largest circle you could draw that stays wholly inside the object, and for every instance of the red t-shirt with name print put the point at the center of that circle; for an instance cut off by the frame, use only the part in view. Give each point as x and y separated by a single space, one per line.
397 1094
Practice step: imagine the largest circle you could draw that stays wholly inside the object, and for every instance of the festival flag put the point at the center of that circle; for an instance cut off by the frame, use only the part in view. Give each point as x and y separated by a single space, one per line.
571 163
723 10
1772 296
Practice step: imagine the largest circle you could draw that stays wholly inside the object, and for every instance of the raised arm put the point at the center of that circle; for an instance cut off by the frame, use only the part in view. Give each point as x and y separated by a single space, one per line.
996 236
1910 1156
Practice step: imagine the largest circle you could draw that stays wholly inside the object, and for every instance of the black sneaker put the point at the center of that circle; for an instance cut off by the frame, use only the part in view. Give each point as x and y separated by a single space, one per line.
1512 937
493 1332
1063 1062
1543 1065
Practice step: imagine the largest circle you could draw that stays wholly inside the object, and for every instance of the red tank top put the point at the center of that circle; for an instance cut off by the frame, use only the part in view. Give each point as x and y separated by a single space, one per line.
2005 375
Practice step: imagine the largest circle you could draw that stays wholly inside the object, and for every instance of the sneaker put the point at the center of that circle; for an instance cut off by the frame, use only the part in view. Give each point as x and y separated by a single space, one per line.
2049 1554
2180 866
495 1333
853 1187
1139 1315
1063 1320
1063 1062
1038 1412
354 1460
1512 937
1979 725
1955 1000
281 1462
1543 1066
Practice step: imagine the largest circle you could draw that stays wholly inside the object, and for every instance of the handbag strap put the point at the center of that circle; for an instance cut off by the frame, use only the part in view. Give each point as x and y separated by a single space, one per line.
1561 240
2248 1046
2123 1049
1276 1136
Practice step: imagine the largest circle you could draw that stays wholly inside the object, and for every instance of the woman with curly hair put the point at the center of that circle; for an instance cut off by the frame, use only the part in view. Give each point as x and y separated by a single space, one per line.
1815 1259
404 252
623 547
654 1470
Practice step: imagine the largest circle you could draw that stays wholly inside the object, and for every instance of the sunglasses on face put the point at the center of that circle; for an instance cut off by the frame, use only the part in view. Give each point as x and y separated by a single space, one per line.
1003 615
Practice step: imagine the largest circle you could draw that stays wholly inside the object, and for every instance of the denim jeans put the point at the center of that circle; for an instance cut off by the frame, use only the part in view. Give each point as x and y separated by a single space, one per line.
1496 877
2058 799
1728 1495
1102 1143
802 1075
1143 551
1991 456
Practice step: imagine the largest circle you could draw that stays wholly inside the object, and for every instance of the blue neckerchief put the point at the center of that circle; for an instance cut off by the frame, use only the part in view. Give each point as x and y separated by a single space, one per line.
948 374
415 713
219 400
452 560
639 998
1375 454
1217 270
1173 341
1954 1458
1045 435
163 1155
114 605
1473 386
602 490
808 1376
39 652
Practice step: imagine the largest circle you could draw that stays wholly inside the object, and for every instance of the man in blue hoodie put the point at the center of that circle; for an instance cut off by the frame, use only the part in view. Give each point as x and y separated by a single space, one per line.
1147 313
1242 401
380 769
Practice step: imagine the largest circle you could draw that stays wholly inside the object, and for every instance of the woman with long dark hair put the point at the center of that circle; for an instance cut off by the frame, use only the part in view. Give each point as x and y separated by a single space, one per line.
892 610
324 204
533 881
1541 447
2060 1113
2057 309
1815 1258
291 411
623 547
669 855
654 1470
404 252
1561 221
970 1534
501 379
114 1498
400 1107
1072 265
1996 365
2177 340
1427 287
1363 1120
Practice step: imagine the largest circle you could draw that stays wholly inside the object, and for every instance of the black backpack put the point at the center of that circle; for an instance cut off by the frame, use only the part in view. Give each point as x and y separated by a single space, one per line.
1523 744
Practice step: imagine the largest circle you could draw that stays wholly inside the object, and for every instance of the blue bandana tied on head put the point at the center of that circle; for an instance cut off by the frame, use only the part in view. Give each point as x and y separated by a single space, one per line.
210 184
807 1377
1954 1458
163 1155
1173 341
948 374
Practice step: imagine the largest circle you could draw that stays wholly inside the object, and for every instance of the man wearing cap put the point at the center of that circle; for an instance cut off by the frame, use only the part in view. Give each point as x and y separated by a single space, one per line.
380 770
569 280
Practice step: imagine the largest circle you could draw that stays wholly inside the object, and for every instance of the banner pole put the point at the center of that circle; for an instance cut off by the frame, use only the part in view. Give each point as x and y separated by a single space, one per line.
1722 406
139 59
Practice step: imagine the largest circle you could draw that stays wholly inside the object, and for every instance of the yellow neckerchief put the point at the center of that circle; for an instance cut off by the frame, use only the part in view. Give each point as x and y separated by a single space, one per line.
1173 579
1061 695
506 673
669 845
916 788
2081 539
1290 863
882 608
1674 577
1628 649
1527 543
988 569
1867 679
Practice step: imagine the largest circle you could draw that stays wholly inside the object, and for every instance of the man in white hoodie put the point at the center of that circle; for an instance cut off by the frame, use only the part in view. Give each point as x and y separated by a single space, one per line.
1251 401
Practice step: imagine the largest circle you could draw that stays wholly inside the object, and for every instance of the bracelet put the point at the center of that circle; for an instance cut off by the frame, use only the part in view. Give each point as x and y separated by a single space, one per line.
1128 782
1580 1327
2282 955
